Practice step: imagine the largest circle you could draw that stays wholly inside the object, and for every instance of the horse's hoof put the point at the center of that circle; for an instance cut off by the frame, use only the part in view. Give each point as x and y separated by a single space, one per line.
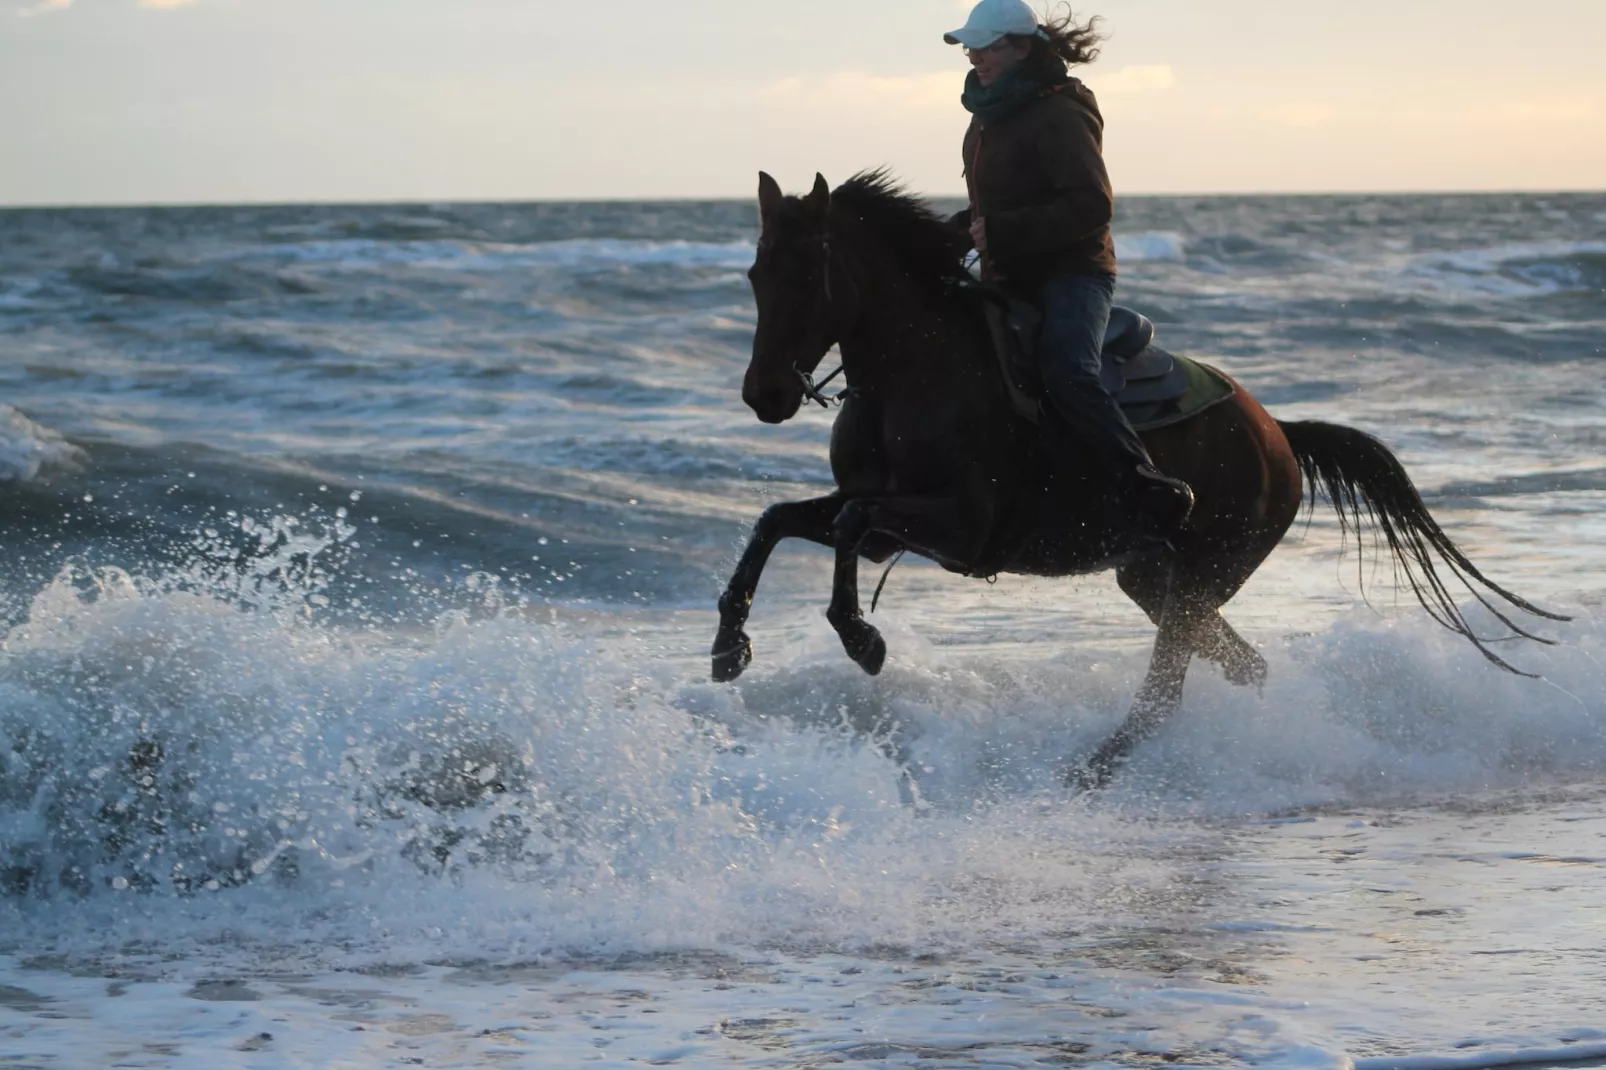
866 647
1083 777
875 656
1095 773
732 659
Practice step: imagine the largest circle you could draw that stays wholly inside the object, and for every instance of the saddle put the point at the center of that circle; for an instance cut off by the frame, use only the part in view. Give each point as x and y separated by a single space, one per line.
1151 385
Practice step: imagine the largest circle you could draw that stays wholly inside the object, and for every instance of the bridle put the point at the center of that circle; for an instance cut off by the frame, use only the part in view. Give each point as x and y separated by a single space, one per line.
812 390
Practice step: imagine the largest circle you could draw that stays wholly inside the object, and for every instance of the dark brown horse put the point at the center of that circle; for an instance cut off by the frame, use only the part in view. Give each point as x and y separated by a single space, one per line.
930 456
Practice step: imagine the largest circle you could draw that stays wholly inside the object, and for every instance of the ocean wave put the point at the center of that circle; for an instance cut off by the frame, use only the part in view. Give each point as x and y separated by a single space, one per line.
288 271
28 448
1584 1048
689 459
1517 270
1228 254
24 294
211 283
1151 245
730 255
579 253
389 228
1554 481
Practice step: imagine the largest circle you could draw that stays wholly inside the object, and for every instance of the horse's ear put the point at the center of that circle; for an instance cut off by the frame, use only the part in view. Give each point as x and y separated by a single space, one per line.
819 198
769 199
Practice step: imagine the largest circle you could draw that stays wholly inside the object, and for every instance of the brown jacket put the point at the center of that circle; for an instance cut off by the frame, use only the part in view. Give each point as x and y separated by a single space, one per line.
1037 178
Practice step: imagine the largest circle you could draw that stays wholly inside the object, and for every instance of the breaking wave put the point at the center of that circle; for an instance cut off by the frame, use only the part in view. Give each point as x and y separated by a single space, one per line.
209 734
28 448
1519 269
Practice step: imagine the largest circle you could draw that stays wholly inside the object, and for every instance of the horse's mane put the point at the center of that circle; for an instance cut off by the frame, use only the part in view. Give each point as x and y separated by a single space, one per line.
926 246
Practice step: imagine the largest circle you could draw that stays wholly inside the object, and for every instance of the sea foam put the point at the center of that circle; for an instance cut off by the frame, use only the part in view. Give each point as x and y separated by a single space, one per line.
28 448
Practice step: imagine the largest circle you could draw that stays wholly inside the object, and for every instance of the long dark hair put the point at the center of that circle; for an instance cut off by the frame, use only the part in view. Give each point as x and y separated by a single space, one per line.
1068 44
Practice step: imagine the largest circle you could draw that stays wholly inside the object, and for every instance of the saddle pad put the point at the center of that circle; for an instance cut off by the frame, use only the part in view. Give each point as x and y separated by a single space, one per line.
1203 387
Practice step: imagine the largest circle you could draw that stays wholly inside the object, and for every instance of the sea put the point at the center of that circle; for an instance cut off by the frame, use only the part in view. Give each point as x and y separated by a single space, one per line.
357 594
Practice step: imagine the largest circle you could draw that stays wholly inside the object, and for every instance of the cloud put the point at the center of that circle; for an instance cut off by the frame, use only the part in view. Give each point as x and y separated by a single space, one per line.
1301 116
1134 81
933 90
43 7
1561 111
1556 110
857 90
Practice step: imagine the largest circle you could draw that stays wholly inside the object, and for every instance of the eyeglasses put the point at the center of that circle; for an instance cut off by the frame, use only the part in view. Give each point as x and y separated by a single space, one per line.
997 48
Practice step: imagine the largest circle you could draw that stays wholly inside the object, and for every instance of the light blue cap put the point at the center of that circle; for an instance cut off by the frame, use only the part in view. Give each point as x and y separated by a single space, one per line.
993 19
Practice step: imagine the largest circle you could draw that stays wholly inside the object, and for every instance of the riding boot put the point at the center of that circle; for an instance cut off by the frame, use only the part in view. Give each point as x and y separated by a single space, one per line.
1159 504
1147 506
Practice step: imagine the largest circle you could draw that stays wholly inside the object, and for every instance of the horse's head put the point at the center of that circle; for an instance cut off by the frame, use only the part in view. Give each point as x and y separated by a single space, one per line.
799 316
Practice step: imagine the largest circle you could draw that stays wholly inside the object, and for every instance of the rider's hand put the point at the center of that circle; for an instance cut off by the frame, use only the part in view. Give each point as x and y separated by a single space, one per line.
978 234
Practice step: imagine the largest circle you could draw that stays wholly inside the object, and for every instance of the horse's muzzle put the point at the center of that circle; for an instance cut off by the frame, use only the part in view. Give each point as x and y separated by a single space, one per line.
773 404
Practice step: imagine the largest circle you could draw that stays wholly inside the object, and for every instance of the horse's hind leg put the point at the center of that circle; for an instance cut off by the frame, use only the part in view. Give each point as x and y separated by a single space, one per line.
1146 582
1240 662
1180 620
811 519
1183 598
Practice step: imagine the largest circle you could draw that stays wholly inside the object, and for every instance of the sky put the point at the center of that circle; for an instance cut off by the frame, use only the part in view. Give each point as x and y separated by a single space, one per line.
224 101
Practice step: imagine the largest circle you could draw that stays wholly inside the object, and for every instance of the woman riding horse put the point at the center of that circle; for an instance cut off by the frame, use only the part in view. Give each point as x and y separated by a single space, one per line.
1040 209
930 454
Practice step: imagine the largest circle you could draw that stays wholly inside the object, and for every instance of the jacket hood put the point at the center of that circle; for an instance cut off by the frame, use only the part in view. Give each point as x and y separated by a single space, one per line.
1074 90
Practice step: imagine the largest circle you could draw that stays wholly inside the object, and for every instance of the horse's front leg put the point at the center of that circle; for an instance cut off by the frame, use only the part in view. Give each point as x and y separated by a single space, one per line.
733 650
860 638
942 528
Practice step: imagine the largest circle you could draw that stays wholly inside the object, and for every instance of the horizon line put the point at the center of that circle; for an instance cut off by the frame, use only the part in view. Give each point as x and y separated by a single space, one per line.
689 199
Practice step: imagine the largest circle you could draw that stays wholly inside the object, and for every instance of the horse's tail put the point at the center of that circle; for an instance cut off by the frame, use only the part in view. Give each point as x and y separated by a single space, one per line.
1366 483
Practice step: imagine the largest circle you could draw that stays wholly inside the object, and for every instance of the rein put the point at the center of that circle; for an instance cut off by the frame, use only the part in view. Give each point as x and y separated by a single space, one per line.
814 390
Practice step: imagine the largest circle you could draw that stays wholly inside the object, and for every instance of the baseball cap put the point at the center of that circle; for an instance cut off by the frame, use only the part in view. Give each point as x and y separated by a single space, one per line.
993 19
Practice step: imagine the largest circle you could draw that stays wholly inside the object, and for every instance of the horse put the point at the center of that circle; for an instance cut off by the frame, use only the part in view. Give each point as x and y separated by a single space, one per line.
930 456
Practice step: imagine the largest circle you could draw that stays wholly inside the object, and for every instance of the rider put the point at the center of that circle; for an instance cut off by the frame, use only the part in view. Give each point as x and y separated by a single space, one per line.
1040 209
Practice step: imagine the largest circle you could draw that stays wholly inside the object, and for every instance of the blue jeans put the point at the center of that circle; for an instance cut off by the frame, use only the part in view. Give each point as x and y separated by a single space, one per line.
1076 312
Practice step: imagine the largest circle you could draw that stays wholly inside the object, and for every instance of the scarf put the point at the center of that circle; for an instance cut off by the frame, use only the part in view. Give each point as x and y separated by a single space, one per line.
1014 88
